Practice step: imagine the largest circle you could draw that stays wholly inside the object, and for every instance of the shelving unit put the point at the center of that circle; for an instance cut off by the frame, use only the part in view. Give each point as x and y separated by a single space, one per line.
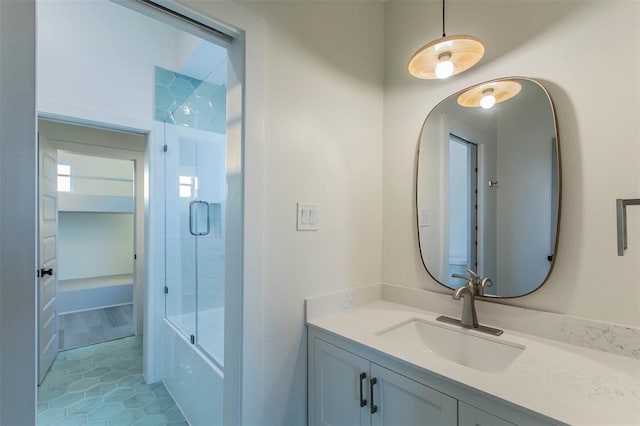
82 294
95 234
69 202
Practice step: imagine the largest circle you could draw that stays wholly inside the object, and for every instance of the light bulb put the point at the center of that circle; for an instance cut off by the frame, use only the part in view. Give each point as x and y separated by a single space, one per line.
444 68
488 99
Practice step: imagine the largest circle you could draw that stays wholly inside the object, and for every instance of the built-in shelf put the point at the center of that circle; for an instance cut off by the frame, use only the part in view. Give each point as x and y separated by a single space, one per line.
94 282
83 294
70 202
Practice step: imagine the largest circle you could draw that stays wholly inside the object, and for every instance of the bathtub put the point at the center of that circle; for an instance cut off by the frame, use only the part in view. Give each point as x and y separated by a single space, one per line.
194 379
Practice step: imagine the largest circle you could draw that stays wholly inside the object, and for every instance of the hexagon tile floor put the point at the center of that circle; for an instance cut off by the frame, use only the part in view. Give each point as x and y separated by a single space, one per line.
102 385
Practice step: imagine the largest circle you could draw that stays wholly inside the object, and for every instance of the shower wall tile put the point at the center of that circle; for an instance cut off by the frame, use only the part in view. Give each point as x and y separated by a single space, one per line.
189 102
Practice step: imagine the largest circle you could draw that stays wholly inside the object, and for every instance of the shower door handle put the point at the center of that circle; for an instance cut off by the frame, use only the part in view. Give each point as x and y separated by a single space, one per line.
197 209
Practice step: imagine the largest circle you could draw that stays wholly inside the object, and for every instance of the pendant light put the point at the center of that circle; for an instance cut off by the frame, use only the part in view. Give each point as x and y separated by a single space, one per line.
447 56
489 94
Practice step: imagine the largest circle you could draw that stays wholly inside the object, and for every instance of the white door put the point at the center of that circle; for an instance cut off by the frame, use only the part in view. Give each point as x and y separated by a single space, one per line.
48 277
341 391
401 401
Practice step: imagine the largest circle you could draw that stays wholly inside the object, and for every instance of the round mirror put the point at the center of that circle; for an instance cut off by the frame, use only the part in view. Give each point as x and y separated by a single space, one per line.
488 187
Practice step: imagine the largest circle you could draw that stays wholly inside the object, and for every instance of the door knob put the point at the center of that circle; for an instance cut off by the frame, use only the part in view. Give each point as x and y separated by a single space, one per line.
42 272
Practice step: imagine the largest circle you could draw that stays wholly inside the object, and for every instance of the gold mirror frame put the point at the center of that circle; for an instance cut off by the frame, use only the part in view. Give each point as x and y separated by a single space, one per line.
558 167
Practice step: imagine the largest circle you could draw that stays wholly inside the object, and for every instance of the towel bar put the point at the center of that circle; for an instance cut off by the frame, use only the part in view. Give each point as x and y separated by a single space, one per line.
621 215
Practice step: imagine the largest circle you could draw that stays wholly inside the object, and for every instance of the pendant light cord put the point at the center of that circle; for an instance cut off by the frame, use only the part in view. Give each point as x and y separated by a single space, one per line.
443 32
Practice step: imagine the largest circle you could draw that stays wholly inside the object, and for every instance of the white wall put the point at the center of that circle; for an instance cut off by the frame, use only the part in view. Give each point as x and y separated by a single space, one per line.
323 144
323 104
94 244
432 189
18 214
556 42
86 63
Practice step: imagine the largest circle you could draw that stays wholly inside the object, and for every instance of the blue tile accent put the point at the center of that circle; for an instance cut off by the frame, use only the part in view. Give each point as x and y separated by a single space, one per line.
101 389
105 411
159 405
189 102
85 405
139 400
76 419
46 393
83 384
181 88
50 416
127 417
163 77
67 400
121 397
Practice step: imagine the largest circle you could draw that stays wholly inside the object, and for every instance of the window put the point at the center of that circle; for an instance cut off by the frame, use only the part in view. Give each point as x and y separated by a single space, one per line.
64 178
188 186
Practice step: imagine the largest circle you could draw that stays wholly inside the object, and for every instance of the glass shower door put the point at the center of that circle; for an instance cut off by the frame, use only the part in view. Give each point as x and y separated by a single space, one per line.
195 199
210 245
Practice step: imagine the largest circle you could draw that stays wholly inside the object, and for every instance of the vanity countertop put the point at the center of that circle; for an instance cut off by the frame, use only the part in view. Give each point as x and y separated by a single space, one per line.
568 383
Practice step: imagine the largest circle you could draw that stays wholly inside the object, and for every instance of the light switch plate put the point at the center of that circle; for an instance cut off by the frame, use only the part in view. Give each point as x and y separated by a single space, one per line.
307 217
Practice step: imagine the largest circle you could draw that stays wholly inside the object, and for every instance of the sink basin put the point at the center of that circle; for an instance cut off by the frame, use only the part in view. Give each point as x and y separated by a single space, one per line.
459 345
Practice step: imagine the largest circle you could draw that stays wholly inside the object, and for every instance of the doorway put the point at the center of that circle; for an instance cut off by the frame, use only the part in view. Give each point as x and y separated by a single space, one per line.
247 64
463 207
91 237
175 86
96 256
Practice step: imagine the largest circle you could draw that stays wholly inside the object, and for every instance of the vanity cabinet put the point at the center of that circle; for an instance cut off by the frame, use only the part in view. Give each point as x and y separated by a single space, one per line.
351 390
469 415
352 385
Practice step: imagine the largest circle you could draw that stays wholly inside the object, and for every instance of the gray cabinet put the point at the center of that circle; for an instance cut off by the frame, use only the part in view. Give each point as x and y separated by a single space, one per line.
469 415
352 385
351 390
405 402
337 387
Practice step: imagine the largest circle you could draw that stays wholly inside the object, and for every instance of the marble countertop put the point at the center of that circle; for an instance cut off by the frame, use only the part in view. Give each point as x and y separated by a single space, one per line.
568 383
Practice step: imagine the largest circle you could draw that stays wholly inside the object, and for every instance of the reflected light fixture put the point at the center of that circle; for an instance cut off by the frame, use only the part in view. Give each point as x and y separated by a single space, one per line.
446 56
489 94
488 99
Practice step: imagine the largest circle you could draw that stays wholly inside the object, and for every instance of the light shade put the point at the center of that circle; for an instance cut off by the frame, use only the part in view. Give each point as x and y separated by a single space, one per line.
502 91
463 51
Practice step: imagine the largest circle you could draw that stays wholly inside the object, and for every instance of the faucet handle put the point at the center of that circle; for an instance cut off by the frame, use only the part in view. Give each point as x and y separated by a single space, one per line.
486 282
462 277
470 282
473 273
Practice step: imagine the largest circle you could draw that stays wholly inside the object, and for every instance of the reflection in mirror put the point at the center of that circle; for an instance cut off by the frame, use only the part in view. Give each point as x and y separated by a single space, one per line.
488 187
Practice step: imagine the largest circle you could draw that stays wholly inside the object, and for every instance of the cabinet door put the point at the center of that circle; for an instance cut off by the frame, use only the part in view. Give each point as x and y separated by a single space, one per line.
401 401
337 384
472 416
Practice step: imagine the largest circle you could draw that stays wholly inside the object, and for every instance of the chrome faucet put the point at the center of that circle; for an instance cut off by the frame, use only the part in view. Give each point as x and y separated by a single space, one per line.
473 287
469 316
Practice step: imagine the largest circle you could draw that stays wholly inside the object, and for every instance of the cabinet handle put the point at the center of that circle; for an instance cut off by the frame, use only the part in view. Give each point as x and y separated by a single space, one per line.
374 407
363 402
